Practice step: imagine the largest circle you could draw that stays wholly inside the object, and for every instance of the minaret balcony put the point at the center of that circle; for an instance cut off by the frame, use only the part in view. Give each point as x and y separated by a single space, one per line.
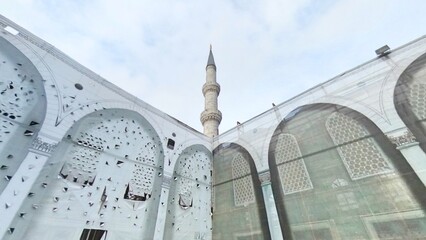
211 87
210 115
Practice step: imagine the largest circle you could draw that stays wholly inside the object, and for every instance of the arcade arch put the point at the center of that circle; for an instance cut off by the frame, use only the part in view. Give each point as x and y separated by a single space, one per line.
107 171
335 175
238 208
189 195
22 108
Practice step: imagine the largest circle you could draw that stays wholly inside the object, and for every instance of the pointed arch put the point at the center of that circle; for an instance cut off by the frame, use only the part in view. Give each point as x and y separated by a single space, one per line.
109 163
238 209
410 99
356 175
189 195
22 108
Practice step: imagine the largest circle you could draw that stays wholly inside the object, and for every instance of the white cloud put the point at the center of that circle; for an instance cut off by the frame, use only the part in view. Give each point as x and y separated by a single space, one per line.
265 51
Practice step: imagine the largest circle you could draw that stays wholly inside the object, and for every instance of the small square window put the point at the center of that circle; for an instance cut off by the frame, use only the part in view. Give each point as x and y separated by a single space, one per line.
93 234
170 144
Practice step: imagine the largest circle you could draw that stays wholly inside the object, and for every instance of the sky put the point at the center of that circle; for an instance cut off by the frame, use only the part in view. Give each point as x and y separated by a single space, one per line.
265 51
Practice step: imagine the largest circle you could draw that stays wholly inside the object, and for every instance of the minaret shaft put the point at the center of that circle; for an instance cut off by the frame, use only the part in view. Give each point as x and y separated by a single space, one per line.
211 116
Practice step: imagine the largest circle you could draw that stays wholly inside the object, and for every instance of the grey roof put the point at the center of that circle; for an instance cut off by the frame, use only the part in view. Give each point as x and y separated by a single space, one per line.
211 59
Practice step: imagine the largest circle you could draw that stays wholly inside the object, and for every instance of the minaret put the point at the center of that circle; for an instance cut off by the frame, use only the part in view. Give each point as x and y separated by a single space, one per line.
211 116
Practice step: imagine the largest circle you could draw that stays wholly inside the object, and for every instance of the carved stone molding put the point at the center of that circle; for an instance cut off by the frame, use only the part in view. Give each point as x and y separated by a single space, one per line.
406 138
167 181
211 115
39 145
211 87
265 177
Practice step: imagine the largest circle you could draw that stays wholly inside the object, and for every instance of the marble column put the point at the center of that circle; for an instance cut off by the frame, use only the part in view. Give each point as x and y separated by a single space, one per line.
21 182
162 208
271 210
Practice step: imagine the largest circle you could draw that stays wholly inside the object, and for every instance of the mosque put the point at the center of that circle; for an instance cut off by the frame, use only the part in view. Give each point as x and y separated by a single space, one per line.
83 159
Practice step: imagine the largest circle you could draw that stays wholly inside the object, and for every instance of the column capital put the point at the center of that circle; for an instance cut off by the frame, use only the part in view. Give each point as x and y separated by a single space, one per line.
403 139
265 177
167 181
42 146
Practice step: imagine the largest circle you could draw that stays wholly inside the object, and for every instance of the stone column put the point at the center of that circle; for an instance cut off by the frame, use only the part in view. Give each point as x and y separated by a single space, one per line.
271 210
21 182
162 208
406 143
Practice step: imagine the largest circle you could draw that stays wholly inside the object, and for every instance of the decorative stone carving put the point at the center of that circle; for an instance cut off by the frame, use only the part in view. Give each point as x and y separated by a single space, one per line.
211 87
167 181
406 138
208 115
40 145
339 182
200 236
265 177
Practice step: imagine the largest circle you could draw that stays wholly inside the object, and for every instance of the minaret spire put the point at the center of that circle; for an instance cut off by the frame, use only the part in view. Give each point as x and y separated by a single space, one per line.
210 61
211 116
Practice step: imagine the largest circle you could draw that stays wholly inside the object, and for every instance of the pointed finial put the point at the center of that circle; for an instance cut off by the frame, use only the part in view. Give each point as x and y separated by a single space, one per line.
210 60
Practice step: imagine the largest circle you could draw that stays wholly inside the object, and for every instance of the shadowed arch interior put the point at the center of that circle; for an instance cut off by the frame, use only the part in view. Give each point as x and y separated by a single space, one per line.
237 212
189 195
355 174
22 108
410 99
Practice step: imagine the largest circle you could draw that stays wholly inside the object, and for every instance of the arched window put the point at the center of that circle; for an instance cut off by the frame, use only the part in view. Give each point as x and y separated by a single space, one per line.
189 200
22 108
242 181
360 153
239 210
291 166
417 97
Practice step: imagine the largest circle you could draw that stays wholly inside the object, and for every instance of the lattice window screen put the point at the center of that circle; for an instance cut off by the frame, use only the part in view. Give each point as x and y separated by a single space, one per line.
243 183
417 100
291 167
361 156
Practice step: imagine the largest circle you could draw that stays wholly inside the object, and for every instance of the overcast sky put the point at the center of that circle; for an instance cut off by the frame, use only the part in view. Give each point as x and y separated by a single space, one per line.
265 51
